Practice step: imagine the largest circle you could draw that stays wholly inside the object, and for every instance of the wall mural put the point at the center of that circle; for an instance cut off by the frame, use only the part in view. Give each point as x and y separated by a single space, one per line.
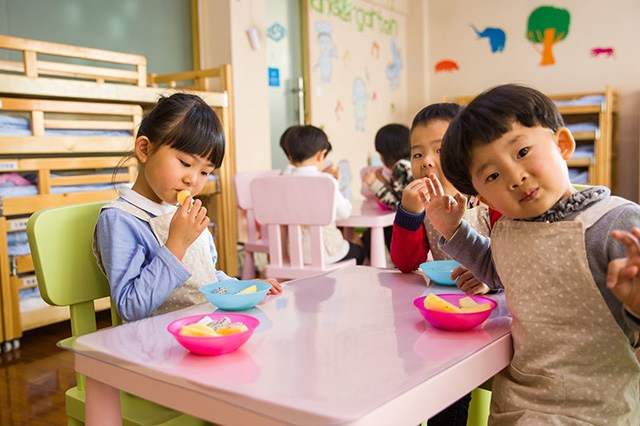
327 50
446 65
350 33
359 98
497 37
394 67
607 52
547 25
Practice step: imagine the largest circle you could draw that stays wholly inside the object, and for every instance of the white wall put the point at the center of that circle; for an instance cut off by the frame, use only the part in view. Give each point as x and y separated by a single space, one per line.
223 40
358 63
593 24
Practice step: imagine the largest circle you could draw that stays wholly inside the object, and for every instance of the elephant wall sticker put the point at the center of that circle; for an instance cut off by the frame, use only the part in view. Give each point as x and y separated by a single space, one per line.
497 37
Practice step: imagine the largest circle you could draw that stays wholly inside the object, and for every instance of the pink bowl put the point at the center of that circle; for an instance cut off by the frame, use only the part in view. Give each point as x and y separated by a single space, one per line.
383 206
217 345
453 321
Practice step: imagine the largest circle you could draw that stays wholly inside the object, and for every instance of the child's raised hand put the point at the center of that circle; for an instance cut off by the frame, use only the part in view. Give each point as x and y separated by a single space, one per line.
444 211
186 225
276 287
333 170
369 178
412 200
467 282
623 275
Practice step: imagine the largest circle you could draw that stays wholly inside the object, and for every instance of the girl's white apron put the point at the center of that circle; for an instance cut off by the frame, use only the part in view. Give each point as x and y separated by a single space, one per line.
572 363
197 259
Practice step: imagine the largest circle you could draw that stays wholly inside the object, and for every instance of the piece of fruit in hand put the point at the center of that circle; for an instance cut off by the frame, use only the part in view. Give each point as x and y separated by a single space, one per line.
183 195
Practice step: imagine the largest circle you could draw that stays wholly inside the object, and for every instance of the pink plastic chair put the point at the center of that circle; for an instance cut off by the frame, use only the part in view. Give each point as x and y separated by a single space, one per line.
257 242
286 204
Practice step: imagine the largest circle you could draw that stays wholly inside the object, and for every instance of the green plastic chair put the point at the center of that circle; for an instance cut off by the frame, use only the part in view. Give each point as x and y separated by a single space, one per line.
68 275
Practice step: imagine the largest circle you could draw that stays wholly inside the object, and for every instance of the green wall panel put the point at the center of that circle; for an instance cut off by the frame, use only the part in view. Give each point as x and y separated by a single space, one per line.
157 29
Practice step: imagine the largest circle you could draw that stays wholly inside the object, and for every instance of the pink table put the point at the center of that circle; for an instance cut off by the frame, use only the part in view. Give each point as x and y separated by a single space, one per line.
344 348
367 214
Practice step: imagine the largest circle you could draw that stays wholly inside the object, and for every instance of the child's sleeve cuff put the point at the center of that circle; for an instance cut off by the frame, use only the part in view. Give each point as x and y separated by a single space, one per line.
407 220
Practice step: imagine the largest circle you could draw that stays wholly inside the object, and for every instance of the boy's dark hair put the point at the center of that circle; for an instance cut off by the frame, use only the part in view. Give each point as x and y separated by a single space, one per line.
186 123
441 111
487 118
300 143
392 142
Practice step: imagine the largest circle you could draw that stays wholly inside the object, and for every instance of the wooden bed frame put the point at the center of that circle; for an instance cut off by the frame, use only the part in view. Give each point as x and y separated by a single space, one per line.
56 94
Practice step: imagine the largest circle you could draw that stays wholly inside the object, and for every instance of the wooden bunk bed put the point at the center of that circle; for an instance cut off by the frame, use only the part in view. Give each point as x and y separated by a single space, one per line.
65 105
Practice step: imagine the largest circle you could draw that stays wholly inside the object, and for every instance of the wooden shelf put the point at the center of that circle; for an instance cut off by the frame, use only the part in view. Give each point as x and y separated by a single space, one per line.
602 167
579 162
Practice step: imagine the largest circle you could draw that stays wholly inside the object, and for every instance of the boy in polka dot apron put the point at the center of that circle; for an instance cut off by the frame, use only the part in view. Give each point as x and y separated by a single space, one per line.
570 269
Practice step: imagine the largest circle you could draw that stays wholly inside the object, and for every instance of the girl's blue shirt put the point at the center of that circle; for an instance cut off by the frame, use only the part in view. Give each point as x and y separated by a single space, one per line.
141 272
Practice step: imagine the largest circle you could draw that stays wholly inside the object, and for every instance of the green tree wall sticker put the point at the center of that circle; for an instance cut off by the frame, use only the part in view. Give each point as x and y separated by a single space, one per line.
547 26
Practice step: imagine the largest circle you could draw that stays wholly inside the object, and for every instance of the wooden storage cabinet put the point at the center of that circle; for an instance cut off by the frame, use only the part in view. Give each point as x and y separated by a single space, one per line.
592 118
40 81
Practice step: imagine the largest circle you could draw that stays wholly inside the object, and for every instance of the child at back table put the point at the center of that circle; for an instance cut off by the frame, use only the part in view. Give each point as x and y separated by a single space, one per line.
155 254
413 235
574 298
392 143
306 147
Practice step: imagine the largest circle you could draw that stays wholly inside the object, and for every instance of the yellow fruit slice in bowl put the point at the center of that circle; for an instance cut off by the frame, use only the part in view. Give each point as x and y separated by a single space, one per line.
437 303
197 330
248 290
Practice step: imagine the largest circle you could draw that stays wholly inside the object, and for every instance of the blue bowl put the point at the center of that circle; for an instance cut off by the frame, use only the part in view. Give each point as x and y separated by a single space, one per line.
439 271
232 301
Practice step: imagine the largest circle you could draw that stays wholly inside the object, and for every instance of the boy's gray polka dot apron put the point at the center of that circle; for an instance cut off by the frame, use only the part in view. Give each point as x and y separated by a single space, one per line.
197 259
478 218
572 363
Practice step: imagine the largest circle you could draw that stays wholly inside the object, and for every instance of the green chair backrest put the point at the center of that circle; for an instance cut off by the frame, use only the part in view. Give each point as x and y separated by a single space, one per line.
61 241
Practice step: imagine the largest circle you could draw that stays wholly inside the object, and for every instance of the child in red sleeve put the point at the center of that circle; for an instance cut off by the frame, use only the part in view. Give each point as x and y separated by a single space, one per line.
413 235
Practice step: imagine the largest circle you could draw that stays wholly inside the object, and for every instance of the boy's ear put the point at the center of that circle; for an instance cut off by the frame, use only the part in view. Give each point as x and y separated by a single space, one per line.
321 154
566 143
142 148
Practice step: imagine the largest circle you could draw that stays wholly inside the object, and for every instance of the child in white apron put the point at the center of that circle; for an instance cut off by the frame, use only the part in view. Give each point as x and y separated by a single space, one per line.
155 254
574 336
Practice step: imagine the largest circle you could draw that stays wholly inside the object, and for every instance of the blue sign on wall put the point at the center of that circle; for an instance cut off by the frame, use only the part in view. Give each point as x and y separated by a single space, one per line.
274 77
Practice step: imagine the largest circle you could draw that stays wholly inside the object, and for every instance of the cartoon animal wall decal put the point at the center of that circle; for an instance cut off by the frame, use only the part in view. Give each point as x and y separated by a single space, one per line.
394 67
446 65
375 49
327 50
338 110
359 98
607 52
346 57
497 37
548 25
